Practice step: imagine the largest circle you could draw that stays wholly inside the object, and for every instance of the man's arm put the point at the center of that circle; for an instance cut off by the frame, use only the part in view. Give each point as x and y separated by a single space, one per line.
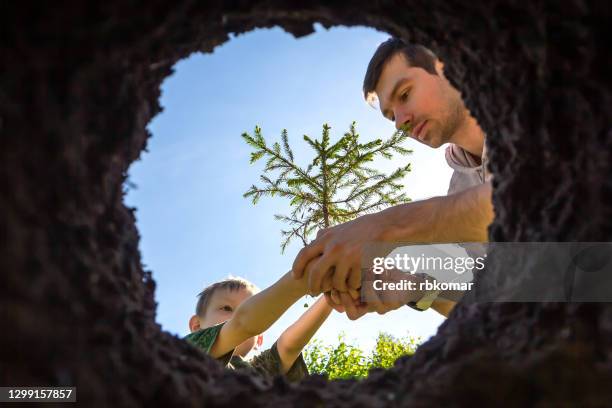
296 336
256 314
461 217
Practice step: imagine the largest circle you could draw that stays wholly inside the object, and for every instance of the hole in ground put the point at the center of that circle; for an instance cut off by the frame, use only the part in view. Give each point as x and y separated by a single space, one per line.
197 228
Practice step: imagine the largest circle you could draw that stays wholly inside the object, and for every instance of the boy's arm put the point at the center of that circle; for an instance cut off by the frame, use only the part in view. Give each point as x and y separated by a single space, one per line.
290 344
256 314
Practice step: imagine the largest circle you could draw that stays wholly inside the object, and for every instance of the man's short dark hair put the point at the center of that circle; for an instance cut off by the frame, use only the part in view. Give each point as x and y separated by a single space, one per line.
416 55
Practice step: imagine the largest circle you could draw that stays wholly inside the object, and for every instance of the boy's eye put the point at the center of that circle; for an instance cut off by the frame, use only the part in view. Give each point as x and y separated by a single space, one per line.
226 308
404 95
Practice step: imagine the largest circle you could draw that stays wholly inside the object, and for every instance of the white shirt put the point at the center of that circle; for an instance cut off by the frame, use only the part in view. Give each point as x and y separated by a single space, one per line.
467 171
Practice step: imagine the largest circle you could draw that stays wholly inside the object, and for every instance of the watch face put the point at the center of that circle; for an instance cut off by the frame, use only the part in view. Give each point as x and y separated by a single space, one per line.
428 298
414 306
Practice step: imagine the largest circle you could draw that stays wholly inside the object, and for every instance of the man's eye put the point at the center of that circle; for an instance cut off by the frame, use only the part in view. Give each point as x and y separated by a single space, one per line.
404 95
226 308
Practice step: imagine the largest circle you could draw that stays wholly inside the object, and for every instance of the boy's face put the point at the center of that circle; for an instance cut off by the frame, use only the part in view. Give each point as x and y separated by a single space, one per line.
429 103
221 307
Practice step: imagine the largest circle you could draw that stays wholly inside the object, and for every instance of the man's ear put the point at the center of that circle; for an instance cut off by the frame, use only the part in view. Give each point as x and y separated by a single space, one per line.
259 340
194 323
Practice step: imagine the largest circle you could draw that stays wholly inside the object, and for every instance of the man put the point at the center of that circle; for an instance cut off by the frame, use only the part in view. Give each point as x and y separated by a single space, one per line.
412 91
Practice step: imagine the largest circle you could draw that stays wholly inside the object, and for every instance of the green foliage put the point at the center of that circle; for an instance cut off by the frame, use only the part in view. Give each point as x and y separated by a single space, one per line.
388 349
344 360
338 184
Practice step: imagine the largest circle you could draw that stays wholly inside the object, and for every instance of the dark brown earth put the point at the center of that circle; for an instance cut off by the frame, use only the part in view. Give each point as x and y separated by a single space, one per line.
78 84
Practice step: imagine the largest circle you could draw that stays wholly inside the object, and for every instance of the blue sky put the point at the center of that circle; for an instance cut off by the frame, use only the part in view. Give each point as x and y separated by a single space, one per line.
196 227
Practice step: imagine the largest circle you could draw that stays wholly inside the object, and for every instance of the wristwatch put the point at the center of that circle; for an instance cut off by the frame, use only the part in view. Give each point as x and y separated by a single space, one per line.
427 299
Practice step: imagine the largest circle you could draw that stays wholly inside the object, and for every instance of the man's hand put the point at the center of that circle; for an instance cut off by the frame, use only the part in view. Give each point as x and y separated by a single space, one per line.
379 301
461 217
326 284
339 250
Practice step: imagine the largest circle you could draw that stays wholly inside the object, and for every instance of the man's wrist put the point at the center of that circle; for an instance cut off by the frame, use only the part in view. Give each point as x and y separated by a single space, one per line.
420 299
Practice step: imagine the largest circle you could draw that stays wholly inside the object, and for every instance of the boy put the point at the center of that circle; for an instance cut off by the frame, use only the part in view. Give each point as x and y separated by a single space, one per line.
231 315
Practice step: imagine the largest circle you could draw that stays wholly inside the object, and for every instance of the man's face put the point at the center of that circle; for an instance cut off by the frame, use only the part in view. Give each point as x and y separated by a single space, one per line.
221 307
428 104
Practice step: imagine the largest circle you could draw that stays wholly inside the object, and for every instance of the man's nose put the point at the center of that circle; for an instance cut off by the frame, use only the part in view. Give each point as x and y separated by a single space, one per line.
401 118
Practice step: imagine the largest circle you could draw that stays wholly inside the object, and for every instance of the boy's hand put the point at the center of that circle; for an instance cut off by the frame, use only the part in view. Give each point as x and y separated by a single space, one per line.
343 302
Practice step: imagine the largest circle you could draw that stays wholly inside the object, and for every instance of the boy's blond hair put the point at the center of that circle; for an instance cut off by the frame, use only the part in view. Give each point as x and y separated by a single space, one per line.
230 283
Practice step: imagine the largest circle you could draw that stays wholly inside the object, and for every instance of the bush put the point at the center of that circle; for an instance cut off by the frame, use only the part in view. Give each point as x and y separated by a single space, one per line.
344 360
